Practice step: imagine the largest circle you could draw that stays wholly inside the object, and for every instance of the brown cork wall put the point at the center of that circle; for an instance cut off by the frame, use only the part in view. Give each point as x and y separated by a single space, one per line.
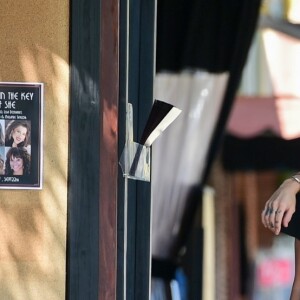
34 47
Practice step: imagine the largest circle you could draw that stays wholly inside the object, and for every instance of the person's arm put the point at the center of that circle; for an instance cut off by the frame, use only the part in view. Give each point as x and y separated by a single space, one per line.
281 205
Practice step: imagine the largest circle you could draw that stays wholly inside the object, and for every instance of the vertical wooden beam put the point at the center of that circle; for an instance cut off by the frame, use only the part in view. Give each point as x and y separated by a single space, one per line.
83 186
142 24
233 223
146 78
252 215
94 140
221 181
109 86
122 182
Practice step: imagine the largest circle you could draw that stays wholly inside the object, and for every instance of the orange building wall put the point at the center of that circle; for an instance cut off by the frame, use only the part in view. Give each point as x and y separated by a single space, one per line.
34 47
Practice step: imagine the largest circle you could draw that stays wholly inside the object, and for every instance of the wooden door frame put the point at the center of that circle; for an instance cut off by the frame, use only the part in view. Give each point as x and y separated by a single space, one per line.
100 264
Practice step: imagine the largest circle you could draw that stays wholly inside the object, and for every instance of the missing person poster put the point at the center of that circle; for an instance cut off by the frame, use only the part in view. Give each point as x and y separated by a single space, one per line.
21 124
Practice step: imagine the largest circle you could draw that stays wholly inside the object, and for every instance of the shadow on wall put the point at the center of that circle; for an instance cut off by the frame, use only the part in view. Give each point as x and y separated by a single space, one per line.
32 222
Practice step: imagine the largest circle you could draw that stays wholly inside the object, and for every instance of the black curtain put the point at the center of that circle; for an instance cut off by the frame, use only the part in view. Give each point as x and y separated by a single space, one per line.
260 153
201 34
205 35
214 36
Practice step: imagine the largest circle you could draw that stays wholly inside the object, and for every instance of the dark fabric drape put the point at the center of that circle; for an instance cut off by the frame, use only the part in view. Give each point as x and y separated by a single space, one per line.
260 153
245 27
200 34
214 36
211 35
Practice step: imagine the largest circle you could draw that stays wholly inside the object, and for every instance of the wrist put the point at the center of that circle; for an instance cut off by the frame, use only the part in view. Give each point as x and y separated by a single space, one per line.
295 181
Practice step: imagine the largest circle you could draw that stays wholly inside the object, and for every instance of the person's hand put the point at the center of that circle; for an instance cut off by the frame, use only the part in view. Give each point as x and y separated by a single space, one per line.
280 207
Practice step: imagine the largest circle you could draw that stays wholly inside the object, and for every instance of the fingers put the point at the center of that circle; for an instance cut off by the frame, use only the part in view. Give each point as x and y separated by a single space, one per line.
280 207
272 218
278 221
265 216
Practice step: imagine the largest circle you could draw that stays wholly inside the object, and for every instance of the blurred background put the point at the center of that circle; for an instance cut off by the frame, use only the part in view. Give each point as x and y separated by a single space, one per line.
234 70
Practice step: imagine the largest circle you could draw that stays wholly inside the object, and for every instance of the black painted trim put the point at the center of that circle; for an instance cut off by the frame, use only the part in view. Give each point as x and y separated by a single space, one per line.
141 75
83 184
122 182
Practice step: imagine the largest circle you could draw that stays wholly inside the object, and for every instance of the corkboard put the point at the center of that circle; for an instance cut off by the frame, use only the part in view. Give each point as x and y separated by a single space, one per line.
34 47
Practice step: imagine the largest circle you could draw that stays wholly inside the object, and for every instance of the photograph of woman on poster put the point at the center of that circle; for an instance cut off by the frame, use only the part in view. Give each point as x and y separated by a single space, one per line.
17 133
2 127
1 166
17 162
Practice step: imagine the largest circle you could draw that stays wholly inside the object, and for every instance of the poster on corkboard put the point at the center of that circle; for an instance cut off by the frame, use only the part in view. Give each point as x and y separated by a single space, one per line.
21 135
